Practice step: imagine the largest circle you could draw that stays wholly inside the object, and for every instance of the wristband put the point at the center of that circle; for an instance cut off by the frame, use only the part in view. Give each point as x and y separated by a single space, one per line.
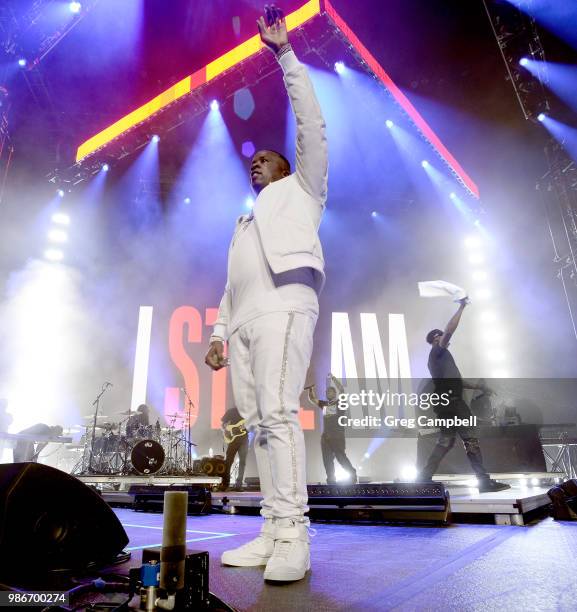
284 49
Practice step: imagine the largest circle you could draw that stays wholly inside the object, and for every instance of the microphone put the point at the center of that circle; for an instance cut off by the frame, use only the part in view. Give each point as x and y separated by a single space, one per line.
109 384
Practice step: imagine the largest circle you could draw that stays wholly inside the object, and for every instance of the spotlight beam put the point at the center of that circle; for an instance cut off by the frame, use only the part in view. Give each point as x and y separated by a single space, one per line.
403 101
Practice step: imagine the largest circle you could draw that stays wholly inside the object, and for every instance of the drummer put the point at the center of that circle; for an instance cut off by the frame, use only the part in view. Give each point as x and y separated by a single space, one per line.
139 419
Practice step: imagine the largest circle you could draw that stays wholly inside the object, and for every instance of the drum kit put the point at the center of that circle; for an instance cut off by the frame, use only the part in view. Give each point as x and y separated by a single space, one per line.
123 448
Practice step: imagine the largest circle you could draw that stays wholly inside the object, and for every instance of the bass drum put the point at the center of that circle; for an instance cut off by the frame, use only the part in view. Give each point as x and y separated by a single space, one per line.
147 457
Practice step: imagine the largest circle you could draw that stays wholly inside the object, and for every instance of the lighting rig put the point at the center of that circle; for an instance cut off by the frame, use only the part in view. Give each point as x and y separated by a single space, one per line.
316 29
27 35
6 147
517 35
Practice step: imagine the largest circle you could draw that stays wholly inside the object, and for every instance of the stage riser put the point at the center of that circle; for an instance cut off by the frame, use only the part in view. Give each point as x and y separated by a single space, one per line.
151 498
143 504
439 516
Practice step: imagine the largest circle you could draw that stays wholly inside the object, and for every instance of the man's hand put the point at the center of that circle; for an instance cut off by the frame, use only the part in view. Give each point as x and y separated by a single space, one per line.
464 302
272 28
215 358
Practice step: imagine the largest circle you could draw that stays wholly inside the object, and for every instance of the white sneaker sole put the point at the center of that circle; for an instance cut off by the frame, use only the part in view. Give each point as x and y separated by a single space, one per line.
228 558
286 575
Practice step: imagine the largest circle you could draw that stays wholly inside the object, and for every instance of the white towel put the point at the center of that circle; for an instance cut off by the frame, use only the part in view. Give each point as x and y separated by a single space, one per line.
439 288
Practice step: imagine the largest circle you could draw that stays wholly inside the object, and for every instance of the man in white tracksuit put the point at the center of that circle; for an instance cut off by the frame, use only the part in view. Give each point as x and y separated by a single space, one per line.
268 314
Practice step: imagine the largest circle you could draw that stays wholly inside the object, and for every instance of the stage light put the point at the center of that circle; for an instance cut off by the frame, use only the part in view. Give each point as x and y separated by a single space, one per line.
409 473
57 235
472 483
488 316
482 294
453 195
480 275
496 356
476 259
60 193
243 103
367 455
374 214
425 164
249 203
524 62
472 242
75 7
534 481
523 482
340 67
493 335
248 149
187 200
500 374
389 123
477 223
214 105
155 138
342 475
105 167
541 117
22 62
53 255
61 219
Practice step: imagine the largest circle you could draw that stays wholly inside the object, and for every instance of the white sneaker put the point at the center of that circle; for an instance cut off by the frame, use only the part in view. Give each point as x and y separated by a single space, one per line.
253 553
291 557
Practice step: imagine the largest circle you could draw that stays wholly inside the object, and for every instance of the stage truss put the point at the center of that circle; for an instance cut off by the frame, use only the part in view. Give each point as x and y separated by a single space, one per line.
517 36
316 28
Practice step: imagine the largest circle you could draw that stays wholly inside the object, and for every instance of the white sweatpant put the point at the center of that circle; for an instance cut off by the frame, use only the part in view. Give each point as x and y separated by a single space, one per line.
269 358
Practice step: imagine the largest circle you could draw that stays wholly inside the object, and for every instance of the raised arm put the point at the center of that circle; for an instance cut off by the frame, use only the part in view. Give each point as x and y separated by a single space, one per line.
313 396
338 385
311 142
453 324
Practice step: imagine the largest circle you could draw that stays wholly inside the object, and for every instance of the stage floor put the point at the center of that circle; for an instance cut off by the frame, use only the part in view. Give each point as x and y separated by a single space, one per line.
367 567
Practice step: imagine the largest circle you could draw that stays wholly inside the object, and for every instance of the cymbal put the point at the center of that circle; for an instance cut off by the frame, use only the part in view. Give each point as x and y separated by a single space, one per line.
100 416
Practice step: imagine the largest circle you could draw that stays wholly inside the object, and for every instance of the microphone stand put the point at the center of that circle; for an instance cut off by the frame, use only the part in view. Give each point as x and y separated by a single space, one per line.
188 441
96 404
